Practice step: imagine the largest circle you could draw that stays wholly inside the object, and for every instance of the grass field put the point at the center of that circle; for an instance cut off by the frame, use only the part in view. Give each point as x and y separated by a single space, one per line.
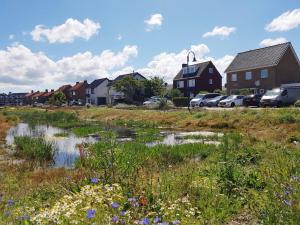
253 177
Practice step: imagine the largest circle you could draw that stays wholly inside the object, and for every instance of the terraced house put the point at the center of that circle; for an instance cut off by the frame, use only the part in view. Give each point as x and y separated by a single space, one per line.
263 69
192 79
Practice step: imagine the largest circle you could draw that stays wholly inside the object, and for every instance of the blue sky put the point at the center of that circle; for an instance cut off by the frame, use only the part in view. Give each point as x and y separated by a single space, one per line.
105 38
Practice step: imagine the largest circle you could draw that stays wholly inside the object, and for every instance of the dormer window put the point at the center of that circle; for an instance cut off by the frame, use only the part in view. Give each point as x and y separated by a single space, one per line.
189 69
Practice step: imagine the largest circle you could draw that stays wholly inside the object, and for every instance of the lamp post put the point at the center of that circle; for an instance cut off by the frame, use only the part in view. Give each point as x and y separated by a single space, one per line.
188 57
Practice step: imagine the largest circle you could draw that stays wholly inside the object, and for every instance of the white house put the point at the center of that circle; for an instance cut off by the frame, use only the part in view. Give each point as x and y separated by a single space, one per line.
97 92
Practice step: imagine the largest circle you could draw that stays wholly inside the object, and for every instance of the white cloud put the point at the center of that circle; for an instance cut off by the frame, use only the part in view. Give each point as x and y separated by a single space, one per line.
11 37
66 32
154 22
286 21
270 41
25 70
119 37
167 65
220 31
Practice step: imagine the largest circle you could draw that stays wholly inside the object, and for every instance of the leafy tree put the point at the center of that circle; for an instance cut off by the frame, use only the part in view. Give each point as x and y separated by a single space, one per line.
58 98
133 89
173 93
155 86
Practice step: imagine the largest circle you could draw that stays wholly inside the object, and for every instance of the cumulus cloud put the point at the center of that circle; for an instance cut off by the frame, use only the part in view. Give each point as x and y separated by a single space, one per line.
286 21
23 68
167 65
66 32
270 41
154 22
220 31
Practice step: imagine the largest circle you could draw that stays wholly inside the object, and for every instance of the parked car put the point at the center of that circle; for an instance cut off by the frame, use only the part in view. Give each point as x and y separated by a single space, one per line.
232 101
201 99
215 101
153 101
252 100
286 95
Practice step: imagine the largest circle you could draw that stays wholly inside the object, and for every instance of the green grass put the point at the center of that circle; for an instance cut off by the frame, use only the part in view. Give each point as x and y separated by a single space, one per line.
34 148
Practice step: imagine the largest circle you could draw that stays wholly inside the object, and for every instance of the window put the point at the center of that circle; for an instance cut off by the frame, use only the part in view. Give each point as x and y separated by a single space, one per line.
262 91
189 69
233 77
248 76
191 83
264 73
73 93
210 81
210 70
180 84
92 91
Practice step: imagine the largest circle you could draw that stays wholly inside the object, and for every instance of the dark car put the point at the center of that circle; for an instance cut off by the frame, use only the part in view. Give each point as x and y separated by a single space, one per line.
252 100
215 101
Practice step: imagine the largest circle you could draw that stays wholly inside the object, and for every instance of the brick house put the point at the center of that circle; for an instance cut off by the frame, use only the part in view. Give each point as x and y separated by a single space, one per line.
263 69
66 90
192 79
78 92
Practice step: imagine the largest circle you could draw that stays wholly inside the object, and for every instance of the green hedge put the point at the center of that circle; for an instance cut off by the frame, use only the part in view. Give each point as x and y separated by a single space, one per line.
297 103
181 101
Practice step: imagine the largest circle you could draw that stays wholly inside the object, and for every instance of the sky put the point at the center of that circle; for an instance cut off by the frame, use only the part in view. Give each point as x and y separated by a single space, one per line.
49 43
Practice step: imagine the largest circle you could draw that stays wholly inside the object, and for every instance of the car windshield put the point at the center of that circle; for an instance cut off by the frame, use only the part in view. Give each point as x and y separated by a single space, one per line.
199 96
273 92
231 97
217 98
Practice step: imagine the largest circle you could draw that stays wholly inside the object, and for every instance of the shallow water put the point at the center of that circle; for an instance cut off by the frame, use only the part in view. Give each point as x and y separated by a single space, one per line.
66 147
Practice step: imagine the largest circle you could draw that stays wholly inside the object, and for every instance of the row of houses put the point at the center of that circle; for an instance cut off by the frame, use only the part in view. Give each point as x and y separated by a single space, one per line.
99 92
256 70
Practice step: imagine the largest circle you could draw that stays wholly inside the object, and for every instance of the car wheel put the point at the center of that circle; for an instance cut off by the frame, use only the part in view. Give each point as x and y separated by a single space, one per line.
279 104
201 104
232 104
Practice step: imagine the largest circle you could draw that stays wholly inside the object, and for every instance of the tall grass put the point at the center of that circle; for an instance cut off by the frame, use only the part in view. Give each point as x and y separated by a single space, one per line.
34 148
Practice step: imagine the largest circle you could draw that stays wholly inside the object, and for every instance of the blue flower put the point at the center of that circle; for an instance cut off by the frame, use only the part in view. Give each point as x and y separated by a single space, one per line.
94 180
123 212
157 220
10 202
115 205
91 213
164 223
176 222
115 219
145 221
288 203
132 199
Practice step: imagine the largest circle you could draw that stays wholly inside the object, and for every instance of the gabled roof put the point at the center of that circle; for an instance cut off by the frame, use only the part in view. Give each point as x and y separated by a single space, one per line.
37 94
77 86
64 87
129 75
48 94
30 94
96 83
259 58
200 67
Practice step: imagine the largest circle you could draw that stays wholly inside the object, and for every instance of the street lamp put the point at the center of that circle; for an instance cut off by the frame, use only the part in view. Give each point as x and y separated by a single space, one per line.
188 57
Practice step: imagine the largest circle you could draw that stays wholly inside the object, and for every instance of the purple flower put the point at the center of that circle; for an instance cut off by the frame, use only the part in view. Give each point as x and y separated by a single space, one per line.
10 202
91 213
94 180
157 220
115 205
164 223
131 199
288 203
115 219
176 222
123 212
145 221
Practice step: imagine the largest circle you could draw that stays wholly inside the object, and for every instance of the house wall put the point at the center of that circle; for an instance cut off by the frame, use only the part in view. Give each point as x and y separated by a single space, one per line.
288 69
100 91
80 93
201 82
242 83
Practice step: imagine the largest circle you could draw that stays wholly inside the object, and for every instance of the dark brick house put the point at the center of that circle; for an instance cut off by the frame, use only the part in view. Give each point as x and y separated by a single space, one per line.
66 90
78 92
192 79
263 69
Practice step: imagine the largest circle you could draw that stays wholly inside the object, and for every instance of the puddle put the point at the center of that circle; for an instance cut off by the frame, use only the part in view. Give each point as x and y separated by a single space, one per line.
66 147
203 137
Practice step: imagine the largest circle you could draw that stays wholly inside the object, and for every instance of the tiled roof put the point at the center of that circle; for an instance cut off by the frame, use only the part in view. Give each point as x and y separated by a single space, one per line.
77 86
259 58
96 83
64 87
37 94
200 67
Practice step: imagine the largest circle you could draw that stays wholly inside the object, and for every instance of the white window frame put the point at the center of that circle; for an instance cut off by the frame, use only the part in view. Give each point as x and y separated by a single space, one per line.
211 70
234 77
210 81
180 84
264 75
192 69
248 75
185 70
191 83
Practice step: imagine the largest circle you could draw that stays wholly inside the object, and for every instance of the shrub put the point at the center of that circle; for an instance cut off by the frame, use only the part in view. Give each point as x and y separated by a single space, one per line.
33 148
181 101
297 103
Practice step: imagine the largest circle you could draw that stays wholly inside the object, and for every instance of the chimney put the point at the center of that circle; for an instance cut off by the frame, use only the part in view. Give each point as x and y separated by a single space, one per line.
31 91
46 90
52 90
77 82
85 81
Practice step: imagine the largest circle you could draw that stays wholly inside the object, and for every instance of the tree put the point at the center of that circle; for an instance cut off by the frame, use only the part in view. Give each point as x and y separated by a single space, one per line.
155 86
58 98
173 93
133 89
